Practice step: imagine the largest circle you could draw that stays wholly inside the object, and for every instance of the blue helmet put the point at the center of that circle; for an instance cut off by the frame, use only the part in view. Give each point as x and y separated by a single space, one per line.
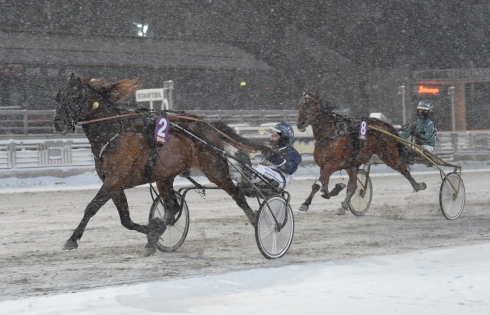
285 130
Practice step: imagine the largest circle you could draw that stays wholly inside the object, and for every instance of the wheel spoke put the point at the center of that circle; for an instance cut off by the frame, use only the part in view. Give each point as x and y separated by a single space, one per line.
274 243
266 232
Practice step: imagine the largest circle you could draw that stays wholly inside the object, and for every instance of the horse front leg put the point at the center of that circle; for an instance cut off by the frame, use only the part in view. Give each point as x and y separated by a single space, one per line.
100 199
325 177
121 203
351 189
314 189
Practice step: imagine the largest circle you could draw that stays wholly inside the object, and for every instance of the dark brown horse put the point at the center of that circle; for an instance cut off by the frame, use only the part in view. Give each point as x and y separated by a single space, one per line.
337 147
126 155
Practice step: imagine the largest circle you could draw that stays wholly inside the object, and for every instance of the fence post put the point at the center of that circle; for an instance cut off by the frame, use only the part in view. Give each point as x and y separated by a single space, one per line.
454 141
11 153
25 122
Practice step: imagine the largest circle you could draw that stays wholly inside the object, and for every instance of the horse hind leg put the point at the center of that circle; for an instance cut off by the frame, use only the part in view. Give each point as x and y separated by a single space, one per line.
351 189
157 226
396 164
218 173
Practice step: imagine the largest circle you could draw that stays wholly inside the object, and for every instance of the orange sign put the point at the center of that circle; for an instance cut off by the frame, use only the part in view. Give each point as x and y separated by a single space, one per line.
428 90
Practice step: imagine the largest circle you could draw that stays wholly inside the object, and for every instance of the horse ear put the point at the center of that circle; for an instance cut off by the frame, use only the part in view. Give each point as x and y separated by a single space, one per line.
86 80
317 95
304 93
70 78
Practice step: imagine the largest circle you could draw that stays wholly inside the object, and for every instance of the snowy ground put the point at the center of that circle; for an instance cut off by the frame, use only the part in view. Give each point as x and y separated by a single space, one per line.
449 281
402 257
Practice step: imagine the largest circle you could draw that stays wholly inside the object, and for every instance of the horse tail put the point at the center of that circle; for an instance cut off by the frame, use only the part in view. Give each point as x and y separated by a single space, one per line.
406 155
235 140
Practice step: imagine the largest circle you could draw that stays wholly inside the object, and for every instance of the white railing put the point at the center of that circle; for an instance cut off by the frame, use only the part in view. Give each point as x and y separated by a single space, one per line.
36 153
40 122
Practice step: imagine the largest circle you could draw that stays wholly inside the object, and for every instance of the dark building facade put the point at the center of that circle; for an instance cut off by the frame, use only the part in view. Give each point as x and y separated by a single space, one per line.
218 53
251 54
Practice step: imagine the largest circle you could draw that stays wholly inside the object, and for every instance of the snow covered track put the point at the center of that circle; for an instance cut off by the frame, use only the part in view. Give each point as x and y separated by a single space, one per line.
34 226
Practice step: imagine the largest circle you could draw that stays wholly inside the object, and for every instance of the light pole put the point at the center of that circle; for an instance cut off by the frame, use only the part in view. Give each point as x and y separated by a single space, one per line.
450 91
168 89
401 91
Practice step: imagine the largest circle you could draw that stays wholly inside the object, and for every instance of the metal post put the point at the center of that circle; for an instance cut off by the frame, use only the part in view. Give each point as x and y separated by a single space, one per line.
401 91
168 87
451 93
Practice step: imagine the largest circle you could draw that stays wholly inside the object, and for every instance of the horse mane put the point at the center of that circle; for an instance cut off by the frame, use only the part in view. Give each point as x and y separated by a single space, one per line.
116 92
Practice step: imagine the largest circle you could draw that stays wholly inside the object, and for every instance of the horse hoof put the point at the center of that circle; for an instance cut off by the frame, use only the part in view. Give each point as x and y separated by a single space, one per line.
339 187
303 208
157 228
420 186
69 245
341 211
149 250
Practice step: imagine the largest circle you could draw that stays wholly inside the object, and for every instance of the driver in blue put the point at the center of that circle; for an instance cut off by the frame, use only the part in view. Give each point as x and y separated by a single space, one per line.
281 162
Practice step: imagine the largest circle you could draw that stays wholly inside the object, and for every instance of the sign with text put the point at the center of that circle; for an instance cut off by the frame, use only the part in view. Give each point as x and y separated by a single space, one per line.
149 95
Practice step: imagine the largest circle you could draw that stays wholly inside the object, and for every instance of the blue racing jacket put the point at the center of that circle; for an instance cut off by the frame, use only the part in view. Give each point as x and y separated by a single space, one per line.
285 159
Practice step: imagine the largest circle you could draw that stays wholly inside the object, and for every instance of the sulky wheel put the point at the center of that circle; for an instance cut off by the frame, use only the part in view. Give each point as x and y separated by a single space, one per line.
175 234
274 227
450 200
361 200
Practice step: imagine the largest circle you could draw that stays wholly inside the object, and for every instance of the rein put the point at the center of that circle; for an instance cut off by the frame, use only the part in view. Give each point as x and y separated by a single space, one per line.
237 144
105 118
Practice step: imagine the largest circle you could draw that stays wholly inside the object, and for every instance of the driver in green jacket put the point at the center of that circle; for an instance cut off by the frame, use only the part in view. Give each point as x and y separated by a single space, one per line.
423 129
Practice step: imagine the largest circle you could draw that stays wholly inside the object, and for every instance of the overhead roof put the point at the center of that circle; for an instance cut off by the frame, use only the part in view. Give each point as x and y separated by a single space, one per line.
145 52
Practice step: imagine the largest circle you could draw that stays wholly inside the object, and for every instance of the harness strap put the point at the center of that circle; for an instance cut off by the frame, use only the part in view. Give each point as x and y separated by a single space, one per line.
104 147
235 143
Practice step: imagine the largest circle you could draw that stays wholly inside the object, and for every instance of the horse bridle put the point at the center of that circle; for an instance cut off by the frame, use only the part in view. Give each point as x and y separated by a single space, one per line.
334 117
73 111
305 104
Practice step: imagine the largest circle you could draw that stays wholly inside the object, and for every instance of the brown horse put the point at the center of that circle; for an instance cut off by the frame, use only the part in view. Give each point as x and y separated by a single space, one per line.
126 155
337 147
